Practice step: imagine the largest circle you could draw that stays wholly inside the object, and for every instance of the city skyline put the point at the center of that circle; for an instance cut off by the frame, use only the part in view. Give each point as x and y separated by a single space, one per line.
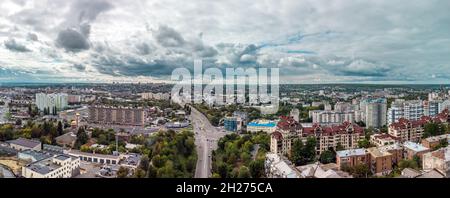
382 42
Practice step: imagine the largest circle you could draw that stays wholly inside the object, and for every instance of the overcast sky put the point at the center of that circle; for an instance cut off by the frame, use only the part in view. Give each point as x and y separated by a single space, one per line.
311 41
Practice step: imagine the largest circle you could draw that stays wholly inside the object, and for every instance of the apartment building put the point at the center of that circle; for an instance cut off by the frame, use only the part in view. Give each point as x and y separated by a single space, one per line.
410 110
383 139
329 137
352 157
395 149
116 115
412 149
51 102
407 130
375 112
438 160
286 132
61 166
433 142
335 117
380 161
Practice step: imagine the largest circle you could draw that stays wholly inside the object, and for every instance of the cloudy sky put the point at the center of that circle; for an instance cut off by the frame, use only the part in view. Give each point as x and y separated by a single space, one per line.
311 41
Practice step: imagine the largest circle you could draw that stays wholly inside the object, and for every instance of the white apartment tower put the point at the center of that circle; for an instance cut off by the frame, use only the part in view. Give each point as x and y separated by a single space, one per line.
50 101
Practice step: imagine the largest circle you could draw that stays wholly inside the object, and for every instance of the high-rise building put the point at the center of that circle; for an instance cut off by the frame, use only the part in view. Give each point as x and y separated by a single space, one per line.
375 112
116 115
411 110
51 102
295 113
334 117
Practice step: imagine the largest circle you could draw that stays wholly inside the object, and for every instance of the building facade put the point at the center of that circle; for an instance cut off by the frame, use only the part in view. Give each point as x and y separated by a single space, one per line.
230 124
334 117
410 110
350 158
411 149
380 161
407 130
383 139
61 166
375 112
116 115
347 135
287 131
438 160
267 126
22 144
50 102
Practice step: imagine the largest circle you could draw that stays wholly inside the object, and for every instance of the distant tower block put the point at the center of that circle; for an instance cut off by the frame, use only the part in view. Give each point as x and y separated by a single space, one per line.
77 119
295 113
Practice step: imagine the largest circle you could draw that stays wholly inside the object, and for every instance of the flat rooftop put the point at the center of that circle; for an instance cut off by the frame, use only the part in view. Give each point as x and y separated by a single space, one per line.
25 142
262 123
36 155
44 166
78 153
62 157
415 146
351 152
377 152
437 138
390 147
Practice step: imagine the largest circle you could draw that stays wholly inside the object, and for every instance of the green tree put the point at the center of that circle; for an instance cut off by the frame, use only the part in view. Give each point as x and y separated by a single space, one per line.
297 152
327 157
257 168
139 173
361 171
123 172
214 175
60 128
158 161
82 137
222 170
339 147
433 129
402 164
244 172
418 160
152 172
364 143
310 149
145 163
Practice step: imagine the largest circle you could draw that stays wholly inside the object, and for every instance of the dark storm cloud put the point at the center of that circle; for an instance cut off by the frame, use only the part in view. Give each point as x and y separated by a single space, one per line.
79 67
75 37
88 10
168 37
72 40
143 48
13 45
32 37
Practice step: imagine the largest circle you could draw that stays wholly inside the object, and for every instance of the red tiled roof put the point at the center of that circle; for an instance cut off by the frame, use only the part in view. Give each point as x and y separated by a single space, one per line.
277 135
344 128
404 123
288 123
386 136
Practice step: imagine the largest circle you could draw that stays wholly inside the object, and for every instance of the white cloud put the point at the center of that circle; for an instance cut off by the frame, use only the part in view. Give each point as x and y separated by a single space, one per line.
309 39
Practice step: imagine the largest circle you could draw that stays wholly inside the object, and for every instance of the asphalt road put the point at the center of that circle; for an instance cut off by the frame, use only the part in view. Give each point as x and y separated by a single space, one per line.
206 137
